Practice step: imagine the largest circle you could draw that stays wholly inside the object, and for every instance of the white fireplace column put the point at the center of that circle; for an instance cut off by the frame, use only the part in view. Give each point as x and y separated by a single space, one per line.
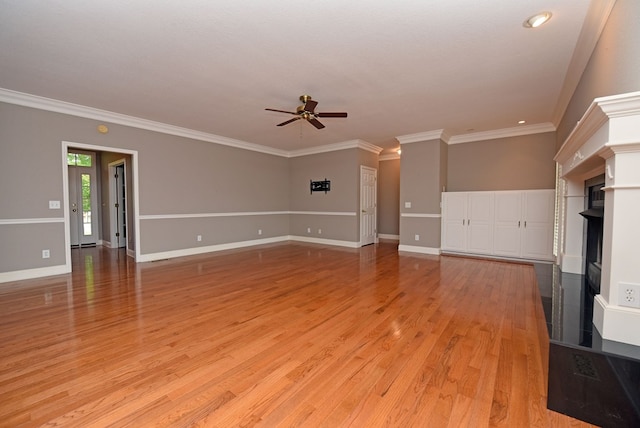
607 139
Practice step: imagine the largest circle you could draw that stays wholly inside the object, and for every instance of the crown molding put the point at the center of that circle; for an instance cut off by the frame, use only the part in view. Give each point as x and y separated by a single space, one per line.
48 104
351 144
438 134
57 106
390 156
594 23
503 133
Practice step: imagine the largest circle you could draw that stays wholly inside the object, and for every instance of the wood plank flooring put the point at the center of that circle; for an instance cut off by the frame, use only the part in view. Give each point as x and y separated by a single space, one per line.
282 335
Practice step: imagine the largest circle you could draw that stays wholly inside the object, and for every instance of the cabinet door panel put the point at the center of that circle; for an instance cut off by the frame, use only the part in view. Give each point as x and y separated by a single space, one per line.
454 215
539 207
506 238
480 238
454 238
537 241
480 223
537 227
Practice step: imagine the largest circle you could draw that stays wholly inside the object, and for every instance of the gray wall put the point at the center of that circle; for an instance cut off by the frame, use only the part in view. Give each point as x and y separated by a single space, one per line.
421 182
177 177
513 163
389 197
335 213
614 67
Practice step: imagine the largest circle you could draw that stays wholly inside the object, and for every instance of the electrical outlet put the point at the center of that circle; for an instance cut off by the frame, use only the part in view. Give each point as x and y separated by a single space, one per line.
417 237
407 204
629 294
259 231
308 230
46 254
54 205
319 231
199 238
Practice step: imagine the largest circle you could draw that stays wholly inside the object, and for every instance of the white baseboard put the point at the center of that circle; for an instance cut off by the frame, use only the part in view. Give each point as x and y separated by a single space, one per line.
19 275
421 250
387 236
350 244
57 270
616 323
208 249
571 264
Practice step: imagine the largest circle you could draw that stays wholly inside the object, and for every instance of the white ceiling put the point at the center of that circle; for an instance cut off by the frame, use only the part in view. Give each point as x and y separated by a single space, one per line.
397 68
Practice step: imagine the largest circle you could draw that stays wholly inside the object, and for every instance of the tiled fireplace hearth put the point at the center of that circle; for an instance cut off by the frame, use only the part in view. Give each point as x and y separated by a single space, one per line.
606 141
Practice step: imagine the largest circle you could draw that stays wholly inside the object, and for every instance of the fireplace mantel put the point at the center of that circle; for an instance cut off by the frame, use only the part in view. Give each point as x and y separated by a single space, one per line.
606 140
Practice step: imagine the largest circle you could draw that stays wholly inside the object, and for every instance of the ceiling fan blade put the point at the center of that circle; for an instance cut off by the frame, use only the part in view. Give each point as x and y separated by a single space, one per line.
280 111
310 106
315 122
331 114
289 121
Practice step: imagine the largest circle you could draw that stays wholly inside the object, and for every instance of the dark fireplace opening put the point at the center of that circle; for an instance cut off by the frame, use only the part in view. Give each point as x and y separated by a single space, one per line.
594 215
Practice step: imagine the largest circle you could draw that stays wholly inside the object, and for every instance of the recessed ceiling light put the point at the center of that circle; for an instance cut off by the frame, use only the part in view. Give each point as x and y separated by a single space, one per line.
537 20
522 121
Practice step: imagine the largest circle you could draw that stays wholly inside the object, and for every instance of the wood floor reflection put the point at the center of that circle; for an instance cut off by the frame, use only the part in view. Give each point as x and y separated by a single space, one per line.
283 335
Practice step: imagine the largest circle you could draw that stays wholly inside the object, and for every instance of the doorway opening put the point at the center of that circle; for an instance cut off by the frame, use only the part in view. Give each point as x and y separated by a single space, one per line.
118 203
100 198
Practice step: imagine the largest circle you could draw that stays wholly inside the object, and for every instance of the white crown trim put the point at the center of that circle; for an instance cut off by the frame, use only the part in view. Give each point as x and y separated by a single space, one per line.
438 134
42 103
351 144
503 133
57 106
390 156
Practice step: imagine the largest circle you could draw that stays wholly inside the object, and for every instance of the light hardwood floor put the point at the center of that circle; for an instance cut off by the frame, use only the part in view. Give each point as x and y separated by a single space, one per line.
283 335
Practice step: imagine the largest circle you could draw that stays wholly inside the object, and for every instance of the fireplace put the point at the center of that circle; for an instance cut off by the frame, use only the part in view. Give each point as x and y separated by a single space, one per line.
594 215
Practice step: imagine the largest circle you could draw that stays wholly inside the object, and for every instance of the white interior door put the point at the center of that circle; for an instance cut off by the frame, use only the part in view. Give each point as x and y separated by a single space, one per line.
83 218
368 216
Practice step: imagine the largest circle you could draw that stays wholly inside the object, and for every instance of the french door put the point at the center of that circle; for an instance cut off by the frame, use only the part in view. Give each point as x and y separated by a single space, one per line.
83 207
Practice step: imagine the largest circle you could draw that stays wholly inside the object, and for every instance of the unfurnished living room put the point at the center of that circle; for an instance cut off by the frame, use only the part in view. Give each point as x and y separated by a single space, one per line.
364 213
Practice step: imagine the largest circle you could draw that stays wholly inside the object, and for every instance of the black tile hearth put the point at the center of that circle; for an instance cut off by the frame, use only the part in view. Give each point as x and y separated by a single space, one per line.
591 379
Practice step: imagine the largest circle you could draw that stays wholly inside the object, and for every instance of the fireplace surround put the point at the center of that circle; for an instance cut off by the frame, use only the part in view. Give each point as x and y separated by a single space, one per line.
606 141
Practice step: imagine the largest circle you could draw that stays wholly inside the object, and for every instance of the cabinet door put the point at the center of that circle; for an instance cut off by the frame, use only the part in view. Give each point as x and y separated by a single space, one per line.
480 223
454 220
537 228
508 210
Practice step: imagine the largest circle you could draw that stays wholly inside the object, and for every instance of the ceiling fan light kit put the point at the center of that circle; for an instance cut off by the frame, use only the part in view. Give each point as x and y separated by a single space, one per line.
307 112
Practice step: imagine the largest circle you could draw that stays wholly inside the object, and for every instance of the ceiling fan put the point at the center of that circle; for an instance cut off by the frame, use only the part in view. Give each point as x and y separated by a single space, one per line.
307 111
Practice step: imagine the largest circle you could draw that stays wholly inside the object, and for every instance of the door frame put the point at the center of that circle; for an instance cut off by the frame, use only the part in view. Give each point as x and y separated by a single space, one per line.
113 199
66 145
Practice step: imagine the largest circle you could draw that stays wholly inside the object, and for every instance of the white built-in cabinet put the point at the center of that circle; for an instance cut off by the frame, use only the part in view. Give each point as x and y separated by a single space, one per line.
513 224
467 221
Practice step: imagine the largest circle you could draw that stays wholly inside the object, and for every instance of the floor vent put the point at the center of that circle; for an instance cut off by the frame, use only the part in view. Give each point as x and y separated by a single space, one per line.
583 366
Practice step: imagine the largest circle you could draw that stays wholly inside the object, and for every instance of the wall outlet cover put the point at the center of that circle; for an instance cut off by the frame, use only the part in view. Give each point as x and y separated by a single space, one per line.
629 294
